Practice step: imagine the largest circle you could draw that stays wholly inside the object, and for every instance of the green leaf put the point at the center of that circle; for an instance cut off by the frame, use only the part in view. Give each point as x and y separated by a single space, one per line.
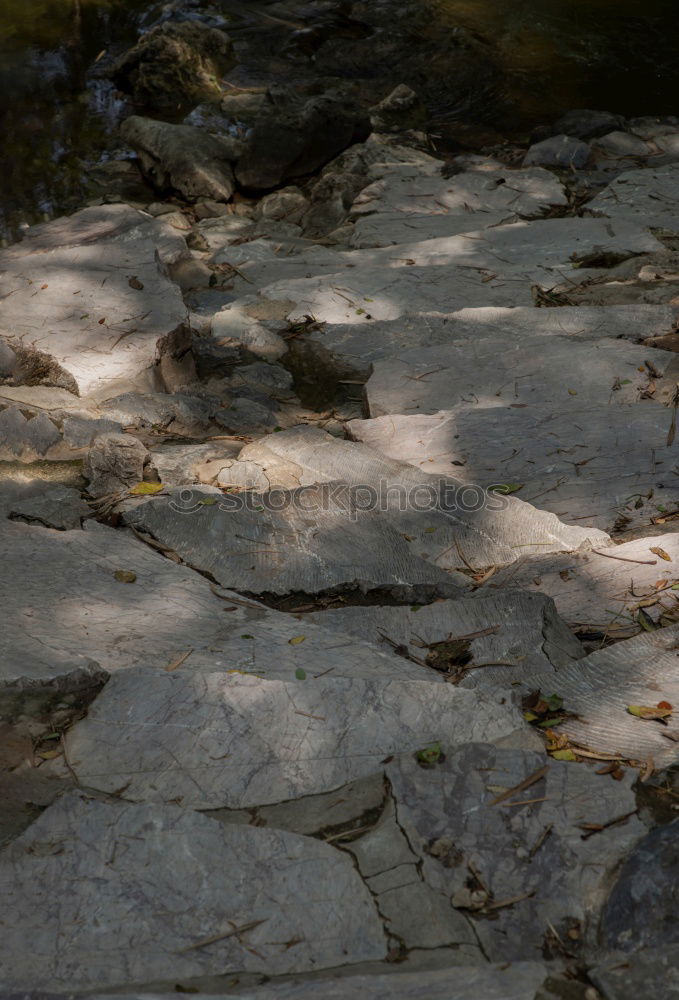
246 636
506 488
300 674
554 702
430 754
125 576
563 755
208 501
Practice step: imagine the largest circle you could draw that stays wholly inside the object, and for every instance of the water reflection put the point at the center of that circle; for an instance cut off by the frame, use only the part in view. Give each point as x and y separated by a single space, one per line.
617 55
50 123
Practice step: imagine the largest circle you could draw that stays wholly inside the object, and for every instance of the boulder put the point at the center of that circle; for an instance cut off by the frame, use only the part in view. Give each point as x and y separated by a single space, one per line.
641 911
291 139
182 158
114 462
559 151
585 124
175 63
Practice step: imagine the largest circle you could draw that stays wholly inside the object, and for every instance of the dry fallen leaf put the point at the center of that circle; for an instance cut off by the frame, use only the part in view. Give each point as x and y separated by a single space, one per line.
656 550
653 714
146 489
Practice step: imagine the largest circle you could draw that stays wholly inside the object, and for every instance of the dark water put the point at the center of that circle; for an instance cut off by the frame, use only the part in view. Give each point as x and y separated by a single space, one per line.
619 55
614 55
50 121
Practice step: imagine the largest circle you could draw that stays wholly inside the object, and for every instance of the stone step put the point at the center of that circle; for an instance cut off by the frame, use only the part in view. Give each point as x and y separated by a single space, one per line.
134 917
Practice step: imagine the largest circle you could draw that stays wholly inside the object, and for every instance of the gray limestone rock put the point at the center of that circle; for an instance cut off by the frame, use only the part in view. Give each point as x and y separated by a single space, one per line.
489 267
26 438
71 290
222 738
621 144
559 151
457 377
114 462
159 409
354 347
520 629
514 869
595 590
440 518
183 465
135 918
80 430
641 909
648 196
504 193
328 543
182 158
586 124
561 457
599 689
58 507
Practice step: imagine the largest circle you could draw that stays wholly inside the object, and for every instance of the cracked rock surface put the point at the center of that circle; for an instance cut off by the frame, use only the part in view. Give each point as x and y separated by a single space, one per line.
339 580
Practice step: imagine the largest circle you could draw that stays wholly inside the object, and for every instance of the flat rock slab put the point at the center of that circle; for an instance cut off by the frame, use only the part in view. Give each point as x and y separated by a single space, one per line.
134 918
517 981
603 465
403 203
66 292
408 191
596 590
443 525
356 346
490 373
531 857
58 507
522 630
225 739
648 196
496 267
290 541
599 689
62 600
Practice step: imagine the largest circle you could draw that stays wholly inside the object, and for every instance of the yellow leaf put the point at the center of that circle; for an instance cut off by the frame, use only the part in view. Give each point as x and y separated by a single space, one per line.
563 755
146 489
656 550
125 576
296 639
649 712
49 754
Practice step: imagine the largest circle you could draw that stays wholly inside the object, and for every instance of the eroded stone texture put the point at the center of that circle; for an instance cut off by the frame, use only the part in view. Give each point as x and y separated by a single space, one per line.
61 600
222 738
66 292
134 917
594 589
522 631
599 689
526 866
